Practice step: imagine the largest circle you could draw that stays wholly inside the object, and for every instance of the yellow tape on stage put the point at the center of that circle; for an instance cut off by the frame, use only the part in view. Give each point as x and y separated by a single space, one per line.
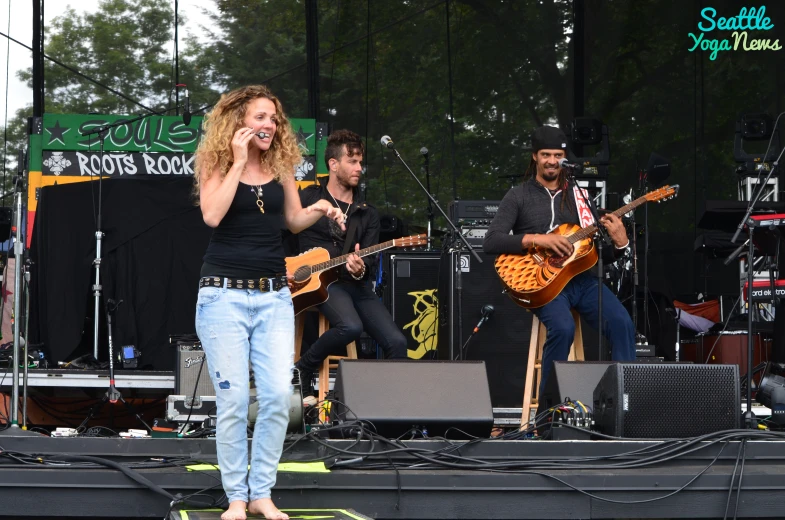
298 467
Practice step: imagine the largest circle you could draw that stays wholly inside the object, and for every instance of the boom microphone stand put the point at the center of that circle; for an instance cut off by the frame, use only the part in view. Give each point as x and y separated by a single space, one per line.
388 143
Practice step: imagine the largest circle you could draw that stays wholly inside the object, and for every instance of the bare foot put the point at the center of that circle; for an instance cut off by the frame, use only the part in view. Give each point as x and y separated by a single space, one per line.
266 508
236 511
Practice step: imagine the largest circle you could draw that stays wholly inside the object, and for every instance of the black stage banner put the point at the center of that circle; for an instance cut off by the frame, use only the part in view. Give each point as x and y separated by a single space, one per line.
116 164
151 256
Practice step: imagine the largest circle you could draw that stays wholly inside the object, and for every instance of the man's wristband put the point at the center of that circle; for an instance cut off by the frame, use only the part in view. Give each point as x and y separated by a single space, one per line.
362 274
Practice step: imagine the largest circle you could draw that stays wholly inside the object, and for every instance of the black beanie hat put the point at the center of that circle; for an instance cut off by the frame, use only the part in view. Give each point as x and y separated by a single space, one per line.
548 138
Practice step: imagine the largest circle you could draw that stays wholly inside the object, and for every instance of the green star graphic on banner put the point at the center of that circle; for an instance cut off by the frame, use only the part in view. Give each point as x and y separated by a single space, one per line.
57 132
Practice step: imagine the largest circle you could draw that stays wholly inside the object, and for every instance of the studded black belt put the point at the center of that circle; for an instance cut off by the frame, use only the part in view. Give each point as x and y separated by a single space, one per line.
263 284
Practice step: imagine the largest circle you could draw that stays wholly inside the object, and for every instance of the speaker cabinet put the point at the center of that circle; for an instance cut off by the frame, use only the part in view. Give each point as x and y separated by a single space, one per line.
412 296
574 380
190 359
667 400
502 342
398 395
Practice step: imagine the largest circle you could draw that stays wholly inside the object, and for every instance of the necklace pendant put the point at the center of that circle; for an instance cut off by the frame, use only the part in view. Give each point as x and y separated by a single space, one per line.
261 205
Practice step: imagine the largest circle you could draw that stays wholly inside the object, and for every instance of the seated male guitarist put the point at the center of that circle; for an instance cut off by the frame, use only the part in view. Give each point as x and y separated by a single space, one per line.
530 210
352 305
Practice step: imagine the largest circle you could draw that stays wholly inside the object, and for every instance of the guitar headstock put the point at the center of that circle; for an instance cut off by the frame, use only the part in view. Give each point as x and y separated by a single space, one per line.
664 193
412 241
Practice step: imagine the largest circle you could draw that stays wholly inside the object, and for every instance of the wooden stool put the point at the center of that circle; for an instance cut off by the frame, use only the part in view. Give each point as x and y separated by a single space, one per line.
331 362
531 388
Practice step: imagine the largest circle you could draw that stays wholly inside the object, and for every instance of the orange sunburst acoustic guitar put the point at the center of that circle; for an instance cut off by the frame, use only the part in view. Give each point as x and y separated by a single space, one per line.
314 270
537 277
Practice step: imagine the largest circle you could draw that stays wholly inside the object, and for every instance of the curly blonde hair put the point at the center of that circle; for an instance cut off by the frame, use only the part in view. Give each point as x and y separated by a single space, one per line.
226 117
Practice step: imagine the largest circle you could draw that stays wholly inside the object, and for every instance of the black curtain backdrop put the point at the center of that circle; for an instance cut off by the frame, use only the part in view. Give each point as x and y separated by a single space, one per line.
151 255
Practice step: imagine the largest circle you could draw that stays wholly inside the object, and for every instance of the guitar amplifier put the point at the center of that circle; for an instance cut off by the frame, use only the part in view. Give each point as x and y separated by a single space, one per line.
473 212
191 371
412 297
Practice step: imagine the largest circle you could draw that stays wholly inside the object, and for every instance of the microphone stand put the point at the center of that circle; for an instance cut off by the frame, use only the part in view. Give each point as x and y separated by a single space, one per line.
601 239
457 267
102 132
749 417
634 304
19 251
426 161
464 352
646 262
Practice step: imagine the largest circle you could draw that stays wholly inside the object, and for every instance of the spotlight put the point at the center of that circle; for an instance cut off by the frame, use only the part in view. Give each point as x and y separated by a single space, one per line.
771 392
658 169
755 126
589 146
755 131
585 130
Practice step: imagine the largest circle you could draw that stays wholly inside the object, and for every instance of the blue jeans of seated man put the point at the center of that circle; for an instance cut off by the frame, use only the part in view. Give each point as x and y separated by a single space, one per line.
350 309
581 294
238 326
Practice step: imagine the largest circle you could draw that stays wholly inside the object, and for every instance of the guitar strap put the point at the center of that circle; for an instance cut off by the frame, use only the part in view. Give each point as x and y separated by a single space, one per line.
584 212
348 245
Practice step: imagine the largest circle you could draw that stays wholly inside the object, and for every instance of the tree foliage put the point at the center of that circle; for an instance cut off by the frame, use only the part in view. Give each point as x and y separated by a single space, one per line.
125 47
468 79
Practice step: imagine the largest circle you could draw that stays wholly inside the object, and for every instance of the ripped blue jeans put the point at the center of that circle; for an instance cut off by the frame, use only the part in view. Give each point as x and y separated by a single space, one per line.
238 327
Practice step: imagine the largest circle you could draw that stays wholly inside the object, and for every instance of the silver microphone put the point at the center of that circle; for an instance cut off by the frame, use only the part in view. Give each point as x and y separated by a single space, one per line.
262 135
388 142
564 163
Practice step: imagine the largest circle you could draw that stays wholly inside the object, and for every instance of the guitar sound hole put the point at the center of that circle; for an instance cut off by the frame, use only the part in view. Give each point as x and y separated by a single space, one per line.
302 274
557 261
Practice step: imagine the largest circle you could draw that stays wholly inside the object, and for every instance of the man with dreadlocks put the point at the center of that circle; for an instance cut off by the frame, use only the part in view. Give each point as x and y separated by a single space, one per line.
530 210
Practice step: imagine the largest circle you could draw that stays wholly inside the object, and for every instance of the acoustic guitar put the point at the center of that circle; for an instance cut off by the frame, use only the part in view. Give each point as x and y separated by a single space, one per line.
538 276
314 270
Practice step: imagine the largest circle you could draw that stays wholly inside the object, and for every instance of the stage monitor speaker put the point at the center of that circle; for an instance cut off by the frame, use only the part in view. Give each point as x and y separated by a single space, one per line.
412 297
190 358
573 380
667 400
503 340
399 395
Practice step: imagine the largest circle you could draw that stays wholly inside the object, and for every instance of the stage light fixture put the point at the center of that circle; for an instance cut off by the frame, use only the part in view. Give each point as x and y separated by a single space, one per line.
771 392
585 131
758 133
756 126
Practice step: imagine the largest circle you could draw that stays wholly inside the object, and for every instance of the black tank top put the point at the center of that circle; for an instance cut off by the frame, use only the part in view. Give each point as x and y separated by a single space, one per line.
247 243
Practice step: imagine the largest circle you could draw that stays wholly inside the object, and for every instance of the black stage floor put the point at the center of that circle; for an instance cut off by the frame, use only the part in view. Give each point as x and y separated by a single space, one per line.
134 478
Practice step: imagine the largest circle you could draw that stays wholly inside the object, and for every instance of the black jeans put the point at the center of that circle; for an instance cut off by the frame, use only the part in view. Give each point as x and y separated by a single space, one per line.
350 309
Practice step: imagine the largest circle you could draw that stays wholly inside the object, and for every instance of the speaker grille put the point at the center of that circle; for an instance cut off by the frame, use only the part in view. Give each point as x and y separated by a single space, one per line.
668 400
190 359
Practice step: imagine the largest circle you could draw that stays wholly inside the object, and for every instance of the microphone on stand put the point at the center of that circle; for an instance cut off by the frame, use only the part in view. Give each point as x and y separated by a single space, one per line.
187 110
424 152
564 163
486 312
387 142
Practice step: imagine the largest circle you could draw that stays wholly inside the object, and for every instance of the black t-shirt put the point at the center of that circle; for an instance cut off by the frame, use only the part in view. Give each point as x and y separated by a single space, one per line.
247 243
